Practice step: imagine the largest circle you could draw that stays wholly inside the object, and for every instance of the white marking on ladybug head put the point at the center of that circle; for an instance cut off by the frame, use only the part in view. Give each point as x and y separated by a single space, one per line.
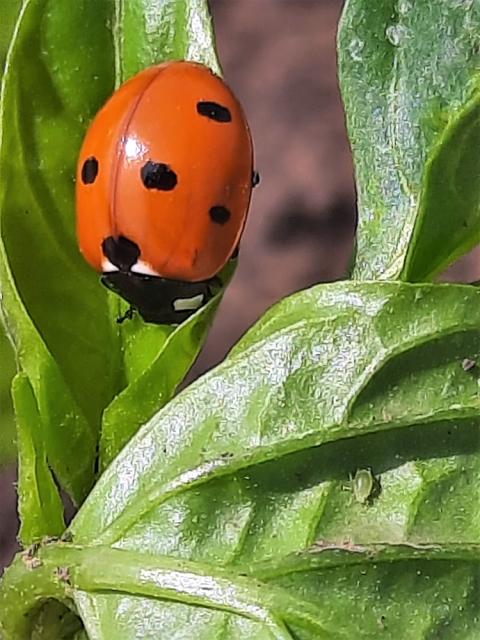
107 266
188 304
144 269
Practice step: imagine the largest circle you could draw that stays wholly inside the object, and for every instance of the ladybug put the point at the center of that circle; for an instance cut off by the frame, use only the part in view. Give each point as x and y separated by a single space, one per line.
164 181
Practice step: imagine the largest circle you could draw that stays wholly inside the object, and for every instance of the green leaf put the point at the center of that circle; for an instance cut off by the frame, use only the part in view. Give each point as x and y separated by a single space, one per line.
259 603
57 314
39 504
7 425
154 384
63 63
10 13
148 32
244 474
409 78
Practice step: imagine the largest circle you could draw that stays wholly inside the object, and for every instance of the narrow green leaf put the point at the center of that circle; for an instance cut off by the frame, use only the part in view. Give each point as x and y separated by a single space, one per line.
409 78
10 12
149 32
39 504
248 469
7 425
448 222
154 383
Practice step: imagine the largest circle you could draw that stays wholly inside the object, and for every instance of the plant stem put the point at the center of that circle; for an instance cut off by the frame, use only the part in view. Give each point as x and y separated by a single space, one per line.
60 569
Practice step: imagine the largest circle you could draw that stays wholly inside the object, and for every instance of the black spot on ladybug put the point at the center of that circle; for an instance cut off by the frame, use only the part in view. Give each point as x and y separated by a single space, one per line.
121 252
89 170
157 175
214 111
255 178
220 215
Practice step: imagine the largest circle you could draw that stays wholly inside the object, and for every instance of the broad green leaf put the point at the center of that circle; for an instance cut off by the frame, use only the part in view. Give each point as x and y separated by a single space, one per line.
62 64
409 79
260 602
39 504
237 489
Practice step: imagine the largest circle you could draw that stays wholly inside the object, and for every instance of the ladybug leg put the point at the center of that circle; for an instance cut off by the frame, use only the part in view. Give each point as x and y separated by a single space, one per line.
128 315
255 178
213 286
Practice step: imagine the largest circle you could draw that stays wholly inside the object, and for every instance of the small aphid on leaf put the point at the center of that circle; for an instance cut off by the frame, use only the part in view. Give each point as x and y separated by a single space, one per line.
468 364
381 622
364 486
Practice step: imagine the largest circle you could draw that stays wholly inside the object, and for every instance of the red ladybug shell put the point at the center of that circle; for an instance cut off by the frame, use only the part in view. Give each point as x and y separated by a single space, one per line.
165 176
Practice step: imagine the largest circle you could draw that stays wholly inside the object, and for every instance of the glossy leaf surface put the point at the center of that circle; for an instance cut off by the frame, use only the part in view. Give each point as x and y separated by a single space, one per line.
151 386
249 467
409 78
